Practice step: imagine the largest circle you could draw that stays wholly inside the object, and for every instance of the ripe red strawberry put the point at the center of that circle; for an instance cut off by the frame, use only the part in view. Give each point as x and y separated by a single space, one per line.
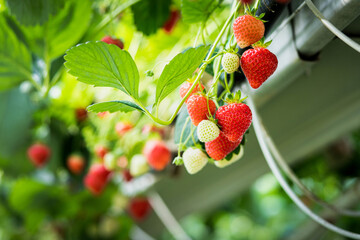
157 154
97 178
139 208
101 151
197 106
258 64
186 86
80 114
39 154
127 175
123 127
221 146
75 163
234 119
171 22
248 30
246 1
115 41
150 128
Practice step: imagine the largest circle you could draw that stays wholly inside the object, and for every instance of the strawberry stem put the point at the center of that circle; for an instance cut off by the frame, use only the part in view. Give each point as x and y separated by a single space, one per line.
182 133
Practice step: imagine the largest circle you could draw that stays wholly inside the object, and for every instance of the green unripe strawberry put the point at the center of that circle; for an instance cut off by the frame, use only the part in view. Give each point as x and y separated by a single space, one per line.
138 165
110 161
207 131
224 163
230 62
194 160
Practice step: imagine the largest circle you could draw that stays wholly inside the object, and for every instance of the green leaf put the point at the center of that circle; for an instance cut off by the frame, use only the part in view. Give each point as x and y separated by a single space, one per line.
149 15
104 65
114 106
67 28
194 11
179 125
180 68
15 58
33 12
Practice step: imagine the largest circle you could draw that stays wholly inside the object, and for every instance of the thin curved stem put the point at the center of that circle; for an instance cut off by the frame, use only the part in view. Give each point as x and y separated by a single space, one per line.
332 28
277 173
288 171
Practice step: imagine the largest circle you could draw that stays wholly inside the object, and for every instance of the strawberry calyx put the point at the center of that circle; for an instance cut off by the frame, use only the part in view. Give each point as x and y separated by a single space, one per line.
178 161
233 98
261 43
252 12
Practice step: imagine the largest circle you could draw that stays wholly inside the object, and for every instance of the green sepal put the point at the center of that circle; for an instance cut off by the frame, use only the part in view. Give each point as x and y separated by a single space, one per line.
178 161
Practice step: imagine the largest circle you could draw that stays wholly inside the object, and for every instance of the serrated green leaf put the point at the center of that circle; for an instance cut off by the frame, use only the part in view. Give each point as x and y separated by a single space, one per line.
179 125
197 11
103 65
15 58
180 68
149 15
33 12
114 106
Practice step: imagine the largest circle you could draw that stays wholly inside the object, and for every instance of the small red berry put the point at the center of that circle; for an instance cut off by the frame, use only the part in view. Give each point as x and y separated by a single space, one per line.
248 30
39 154
220 147
171 22
139 208
75 163
258 65
157 154
123 127
97 178
115 41
186 86
197 106
80 114
101 151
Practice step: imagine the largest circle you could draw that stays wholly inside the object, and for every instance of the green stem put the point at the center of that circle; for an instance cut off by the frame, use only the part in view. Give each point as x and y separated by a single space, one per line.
182 133
196 81
226 84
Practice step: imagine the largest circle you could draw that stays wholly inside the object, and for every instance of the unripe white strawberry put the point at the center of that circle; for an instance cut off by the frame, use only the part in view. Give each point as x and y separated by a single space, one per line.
207 131
194 160
138 165
110 162
235 157
230 62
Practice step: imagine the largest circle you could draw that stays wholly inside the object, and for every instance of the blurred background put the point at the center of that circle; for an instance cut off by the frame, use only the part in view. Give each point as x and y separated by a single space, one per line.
49 143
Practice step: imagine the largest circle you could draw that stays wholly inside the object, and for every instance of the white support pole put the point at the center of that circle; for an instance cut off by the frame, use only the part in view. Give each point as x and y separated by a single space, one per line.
166 217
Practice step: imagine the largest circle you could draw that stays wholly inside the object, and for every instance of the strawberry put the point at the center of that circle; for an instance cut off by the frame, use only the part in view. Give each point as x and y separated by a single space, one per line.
235 157
197 106
207 131
103 115
127 175
184 88
97 178
39 154
221 146
246 1
157 154
110 162
80 114
194 160
171 22
138 165
248 30
122 162
123 127
150 128
139 208
115 41
258 64
101 151
234 119
75 164
230 62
